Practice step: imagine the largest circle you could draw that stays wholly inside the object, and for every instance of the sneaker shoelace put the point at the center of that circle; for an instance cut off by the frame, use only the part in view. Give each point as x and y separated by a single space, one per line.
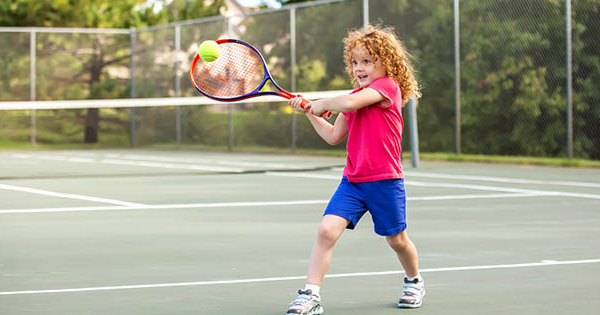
411 289
303 296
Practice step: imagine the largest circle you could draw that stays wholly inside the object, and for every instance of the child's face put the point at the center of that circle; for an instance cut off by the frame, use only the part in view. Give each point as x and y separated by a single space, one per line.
365 67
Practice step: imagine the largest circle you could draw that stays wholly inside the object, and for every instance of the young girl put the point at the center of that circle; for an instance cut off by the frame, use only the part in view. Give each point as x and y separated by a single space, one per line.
373 179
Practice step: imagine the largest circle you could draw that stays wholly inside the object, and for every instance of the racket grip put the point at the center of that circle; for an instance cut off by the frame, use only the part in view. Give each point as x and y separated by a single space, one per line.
325 115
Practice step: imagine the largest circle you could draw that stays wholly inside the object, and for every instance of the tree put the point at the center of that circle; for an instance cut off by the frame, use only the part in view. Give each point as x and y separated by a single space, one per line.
586 76
76 65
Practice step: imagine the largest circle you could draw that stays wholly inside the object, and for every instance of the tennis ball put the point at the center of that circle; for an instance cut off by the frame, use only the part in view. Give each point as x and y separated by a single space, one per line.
209 50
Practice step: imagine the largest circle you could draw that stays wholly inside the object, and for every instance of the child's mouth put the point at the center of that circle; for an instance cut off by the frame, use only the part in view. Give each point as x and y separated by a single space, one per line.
361 77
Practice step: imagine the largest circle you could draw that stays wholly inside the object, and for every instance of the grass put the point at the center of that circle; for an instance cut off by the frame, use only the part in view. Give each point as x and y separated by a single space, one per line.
424 156
547 161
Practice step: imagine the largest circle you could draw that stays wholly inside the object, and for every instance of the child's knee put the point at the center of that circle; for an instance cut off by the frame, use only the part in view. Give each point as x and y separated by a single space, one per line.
399 241
328 232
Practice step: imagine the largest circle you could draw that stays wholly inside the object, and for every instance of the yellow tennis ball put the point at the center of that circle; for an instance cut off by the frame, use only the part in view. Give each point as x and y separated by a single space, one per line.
209 50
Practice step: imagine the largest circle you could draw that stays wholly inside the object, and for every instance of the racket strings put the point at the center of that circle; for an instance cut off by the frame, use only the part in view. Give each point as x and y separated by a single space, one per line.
238 71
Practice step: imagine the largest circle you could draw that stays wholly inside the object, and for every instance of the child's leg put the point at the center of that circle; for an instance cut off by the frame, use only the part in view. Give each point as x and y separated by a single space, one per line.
413 286
406 251
330 230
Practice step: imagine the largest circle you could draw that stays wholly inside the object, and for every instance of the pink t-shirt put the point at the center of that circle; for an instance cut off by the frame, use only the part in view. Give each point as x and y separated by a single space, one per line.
375 135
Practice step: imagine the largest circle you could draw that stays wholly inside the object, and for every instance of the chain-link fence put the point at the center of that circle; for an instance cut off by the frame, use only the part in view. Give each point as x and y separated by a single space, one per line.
515 61
513 70
586 79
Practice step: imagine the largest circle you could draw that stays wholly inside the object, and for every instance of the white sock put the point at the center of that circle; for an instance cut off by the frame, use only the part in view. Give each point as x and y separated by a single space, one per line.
314 288
418 276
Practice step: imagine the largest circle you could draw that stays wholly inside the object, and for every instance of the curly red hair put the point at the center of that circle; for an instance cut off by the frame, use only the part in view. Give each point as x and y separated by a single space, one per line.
383 44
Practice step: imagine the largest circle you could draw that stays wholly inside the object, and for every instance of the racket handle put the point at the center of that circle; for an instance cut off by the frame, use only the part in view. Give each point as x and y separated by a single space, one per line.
325 115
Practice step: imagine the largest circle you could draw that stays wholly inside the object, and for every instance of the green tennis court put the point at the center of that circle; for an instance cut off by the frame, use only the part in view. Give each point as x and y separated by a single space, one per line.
125 191
181 232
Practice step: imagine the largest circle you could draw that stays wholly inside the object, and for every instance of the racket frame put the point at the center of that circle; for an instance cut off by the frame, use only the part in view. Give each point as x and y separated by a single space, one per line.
256 92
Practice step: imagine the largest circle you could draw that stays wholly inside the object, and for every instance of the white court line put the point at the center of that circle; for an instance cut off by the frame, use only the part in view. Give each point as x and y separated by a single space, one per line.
322 176
161 162
543 263
503 179
475 196
505 189
172 166
495 179
170 206
70 196
209 161
243 204
113 161
448 185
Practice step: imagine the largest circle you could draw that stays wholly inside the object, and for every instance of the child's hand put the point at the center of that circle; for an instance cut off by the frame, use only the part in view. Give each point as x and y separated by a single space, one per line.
296 104
317 108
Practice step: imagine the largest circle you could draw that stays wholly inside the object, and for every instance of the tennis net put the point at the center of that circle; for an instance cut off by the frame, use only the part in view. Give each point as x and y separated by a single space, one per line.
264 124
265 121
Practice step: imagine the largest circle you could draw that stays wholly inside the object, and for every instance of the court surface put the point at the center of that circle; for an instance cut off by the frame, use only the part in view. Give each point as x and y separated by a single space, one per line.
177 232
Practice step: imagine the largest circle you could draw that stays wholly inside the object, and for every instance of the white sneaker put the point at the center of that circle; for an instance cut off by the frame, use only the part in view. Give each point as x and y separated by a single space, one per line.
306 303
412 293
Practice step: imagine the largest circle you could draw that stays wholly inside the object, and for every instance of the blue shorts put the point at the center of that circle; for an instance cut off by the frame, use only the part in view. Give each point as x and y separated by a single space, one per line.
384 199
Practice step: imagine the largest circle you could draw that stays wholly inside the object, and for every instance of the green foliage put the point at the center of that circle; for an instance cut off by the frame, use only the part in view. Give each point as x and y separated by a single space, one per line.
181 10
511 73
426 29
14 77
77 13
586 74
528 160
79 66
513 70
205 127
319 63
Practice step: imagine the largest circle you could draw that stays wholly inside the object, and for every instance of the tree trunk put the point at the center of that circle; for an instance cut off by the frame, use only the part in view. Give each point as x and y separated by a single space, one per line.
91 125
92 119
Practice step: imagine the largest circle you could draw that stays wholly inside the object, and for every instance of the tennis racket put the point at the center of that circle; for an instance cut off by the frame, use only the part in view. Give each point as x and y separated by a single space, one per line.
240 72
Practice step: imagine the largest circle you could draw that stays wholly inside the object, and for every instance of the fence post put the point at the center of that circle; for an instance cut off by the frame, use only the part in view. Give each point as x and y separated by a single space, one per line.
569 53
414 131
32 85
178 83
230 141
457 133
365 5
293 71
132 86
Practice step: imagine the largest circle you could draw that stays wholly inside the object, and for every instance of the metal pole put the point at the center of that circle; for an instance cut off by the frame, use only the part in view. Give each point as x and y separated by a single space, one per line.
365 4
569 82
230 140
178 83
32 85
457 76
293 70
132 86
414 132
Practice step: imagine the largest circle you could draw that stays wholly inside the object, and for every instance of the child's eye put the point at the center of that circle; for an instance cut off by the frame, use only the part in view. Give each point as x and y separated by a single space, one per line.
367 61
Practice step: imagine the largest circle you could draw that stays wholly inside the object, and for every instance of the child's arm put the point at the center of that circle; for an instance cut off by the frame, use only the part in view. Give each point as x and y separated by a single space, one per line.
332 134
348 103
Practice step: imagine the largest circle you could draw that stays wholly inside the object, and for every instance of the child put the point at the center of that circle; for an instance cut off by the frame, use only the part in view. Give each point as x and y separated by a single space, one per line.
373 179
